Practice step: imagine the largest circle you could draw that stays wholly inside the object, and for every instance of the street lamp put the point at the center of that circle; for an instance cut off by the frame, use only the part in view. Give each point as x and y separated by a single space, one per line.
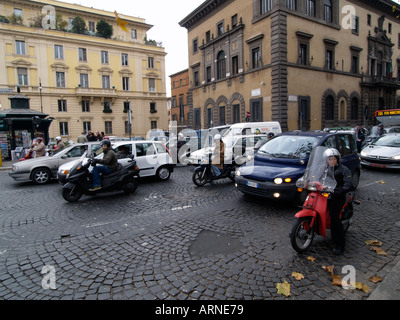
40 93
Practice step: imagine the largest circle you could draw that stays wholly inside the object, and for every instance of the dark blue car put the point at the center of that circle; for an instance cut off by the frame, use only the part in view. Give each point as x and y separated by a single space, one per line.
281 161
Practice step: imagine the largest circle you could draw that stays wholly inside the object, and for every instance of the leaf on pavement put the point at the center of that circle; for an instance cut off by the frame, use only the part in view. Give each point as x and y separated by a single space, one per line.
311 259
361 286
381 182
375 279
373 243
297 275
379 251
336 280
329 269
283 288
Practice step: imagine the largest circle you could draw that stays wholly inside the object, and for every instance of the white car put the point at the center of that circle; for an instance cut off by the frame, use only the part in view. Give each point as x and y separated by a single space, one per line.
236 147
152 158
383 152
42 169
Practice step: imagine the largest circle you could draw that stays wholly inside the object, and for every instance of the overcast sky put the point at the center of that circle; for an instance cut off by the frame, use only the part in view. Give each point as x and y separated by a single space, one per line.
164 15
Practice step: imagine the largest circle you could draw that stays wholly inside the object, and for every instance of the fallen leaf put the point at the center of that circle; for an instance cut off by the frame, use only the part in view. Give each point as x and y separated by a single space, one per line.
381 182
329 269
311 259
379 251
336 280
361 286
283 288
375 279
297 275
373 243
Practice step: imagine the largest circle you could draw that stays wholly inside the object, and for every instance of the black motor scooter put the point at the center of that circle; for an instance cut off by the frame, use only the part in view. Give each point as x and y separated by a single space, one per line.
80 180
204 173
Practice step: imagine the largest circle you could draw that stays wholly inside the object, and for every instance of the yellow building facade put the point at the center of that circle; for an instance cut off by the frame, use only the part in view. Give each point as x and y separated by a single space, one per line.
308 64
84 81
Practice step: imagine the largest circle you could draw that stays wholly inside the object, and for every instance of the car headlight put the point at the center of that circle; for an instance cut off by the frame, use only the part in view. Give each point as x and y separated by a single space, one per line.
363 153
280 180
15 168
396 157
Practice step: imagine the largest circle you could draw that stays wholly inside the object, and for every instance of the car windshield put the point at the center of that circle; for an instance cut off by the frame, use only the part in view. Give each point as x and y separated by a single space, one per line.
289 147
388 141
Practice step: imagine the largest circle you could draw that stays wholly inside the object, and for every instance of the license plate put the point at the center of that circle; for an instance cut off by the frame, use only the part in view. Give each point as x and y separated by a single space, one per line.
378 165
252 184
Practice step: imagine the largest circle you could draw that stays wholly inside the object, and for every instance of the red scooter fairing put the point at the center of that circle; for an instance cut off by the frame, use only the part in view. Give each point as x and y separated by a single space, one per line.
315 206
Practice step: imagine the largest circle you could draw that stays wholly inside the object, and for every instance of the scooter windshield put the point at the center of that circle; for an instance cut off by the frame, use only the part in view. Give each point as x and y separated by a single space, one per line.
319 175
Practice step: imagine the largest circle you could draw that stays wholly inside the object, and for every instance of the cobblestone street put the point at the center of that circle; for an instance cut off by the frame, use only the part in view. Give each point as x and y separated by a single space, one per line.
173 240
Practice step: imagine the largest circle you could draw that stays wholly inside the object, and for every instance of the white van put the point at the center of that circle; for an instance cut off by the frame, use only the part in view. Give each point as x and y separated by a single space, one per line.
244 128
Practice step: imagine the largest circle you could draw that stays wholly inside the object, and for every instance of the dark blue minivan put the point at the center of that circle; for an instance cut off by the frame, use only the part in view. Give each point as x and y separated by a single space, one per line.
281 161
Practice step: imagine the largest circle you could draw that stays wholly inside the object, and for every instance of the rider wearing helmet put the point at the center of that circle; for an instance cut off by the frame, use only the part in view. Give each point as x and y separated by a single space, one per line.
218 155
60 145
338 197
39 148
109 164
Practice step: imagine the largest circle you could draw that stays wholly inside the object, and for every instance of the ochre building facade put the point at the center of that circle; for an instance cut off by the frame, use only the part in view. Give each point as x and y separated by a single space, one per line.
83 80
308 64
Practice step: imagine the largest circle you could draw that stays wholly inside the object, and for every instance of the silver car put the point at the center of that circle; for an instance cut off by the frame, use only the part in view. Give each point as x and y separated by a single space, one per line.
383 152
41 170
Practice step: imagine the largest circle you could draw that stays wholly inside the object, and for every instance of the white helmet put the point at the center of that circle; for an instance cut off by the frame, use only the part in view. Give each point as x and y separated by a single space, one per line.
58 138
217 136
332 152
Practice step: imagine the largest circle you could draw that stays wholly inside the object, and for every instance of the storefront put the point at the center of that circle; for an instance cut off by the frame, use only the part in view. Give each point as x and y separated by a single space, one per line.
19 126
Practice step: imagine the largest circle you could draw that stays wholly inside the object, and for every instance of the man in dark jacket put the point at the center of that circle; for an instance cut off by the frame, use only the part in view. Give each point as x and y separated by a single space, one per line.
360 138
109 164
338 198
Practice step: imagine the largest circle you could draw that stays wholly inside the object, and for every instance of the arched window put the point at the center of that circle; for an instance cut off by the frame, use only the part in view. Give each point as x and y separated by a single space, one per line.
354 109
221 66
342 109
329 111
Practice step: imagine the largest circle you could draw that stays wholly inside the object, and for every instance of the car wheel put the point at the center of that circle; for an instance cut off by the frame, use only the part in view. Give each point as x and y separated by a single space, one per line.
355 179
163 173
41 176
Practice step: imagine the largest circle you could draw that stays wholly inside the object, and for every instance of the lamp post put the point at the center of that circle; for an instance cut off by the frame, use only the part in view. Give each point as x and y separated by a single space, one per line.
40 93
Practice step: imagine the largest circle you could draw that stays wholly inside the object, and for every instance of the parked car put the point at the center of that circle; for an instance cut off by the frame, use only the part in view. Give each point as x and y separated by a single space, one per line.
41 170
238 146
382 153
152 158
280 162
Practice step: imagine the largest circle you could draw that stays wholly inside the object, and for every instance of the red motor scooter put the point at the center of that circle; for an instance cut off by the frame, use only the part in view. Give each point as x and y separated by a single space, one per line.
314 218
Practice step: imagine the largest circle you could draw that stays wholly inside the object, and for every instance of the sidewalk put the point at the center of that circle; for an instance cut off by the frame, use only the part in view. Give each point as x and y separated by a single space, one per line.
7 165
389 288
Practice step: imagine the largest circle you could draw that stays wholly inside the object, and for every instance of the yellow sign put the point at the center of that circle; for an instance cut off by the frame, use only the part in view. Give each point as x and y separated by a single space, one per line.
387 113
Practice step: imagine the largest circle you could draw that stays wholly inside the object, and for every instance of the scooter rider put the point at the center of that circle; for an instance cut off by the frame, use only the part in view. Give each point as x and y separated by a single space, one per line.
109 164
218 155
338 198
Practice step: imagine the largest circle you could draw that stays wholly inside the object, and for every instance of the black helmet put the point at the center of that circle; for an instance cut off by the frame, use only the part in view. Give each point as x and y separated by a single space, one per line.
105 142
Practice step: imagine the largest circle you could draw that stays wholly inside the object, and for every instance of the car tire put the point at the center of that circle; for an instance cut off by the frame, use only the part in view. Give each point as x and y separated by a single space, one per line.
355 179
163 173
41 176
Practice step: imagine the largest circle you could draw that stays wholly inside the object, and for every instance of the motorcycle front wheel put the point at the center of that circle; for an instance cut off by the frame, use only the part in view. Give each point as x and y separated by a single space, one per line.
200 177
302 234
72 195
